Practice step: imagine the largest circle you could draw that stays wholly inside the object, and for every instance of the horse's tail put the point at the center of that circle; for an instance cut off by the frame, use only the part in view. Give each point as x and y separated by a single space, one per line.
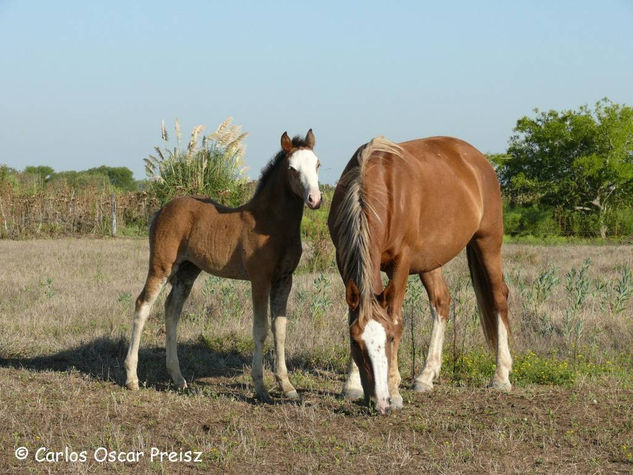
483 291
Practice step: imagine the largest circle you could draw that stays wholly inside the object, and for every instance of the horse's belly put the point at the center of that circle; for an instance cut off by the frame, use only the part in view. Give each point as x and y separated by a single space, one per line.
223 261
425 260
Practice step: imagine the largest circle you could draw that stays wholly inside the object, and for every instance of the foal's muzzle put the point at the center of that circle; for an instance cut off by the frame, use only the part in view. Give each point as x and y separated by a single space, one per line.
314 200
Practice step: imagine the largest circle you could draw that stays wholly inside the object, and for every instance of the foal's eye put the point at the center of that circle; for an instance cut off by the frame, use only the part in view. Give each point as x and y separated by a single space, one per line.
292 169
318 165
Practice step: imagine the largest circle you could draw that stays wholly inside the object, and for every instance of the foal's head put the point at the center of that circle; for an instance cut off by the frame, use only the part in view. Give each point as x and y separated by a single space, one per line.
303 168
372 335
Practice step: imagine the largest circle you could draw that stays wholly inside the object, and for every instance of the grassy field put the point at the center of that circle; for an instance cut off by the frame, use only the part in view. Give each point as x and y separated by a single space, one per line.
65 314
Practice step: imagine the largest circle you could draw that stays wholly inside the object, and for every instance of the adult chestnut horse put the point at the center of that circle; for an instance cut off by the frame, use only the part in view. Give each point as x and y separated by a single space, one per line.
405 209
259 241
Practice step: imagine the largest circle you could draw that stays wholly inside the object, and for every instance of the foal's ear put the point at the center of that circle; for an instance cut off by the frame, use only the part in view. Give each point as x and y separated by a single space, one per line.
385 298
352 295
310 139
286 143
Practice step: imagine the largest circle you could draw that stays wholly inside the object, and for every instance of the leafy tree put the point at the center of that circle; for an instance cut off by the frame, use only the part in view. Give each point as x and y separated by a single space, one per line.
211 168
8 176
44 172
576 161
120 177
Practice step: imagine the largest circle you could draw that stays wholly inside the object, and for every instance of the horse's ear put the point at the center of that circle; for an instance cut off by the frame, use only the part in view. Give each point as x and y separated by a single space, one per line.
286 143
310 139
352 295
385 298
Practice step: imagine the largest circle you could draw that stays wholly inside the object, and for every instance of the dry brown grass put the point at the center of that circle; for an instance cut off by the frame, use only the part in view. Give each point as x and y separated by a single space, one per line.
65 311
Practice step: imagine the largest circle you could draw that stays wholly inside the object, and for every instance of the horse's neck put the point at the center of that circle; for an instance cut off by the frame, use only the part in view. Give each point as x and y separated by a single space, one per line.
276 202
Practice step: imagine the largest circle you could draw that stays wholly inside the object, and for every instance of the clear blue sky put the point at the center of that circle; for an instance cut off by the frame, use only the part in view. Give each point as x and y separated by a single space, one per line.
87 83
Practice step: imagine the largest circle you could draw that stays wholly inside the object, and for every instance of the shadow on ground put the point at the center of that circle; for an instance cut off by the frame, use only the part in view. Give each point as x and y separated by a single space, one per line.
102 359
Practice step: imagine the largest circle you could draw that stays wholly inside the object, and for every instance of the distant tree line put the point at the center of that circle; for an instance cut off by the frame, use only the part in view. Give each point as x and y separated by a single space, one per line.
36 178
565 173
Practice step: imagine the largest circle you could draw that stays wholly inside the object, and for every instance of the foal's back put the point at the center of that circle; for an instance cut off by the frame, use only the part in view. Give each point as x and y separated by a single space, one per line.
202 232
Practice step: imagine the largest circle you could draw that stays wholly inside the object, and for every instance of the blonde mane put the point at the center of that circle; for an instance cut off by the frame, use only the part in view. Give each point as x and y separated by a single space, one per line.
352 226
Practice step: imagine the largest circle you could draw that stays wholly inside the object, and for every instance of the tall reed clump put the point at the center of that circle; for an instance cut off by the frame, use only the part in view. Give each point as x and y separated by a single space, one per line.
210 165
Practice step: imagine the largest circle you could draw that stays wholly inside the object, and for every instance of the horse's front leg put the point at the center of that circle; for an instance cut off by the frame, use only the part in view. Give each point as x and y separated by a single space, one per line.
278 304
399 276
352 388
260 292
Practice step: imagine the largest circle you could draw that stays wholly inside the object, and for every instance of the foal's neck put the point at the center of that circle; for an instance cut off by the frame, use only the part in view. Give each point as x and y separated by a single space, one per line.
277 202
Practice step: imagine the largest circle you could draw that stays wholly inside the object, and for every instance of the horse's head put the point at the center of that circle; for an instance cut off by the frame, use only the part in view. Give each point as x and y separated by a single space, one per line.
303 168
372 335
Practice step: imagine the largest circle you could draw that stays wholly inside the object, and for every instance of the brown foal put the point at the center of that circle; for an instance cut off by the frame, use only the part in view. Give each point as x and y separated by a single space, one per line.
259 241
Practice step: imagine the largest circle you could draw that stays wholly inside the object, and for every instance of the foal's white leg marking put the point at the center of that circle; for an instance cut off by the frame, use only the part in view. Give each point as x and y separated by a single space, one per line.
501 379
375 340
138 322
433 363
353 388
281 372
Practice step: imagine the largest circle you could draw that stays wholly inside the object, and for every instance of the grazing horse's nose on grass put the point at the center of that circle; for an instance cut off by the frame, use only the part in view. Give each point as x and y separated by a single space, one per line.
382 406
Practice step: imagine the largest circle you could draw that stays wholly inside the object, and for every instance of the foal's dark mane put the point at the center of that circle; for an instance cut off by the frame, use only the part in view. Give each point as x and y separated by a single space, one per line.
273 165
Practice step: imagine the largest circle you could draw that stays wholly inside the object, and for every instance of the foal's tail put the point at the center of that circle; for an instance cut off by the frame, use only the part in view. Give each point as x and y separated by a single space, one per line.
483 291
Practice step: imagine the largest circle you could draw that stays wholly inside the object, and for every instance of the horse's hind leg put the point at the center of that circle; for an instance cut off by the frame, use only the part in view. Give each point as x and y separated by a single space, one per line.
153 285
484 259
439 300
278 302
181 282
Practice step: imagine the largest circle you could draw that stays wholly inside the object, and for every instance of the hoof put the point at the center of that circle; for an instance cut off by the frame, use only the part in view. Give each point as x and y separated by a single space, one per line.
500 385
181 385
421 387
264 397
132 385
352 394
292 394
396 403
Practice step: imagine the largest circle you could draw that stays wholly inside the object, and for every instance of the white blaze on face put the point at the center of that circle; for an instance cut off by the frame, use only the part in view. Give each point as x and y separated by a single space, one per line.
375 340
305 162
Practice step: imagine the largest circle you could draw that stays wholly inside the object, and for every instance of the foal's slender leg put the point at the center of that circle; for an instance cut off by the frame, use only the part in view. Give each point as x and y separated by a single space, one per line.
439 300
144 302
278 303
260 291
182 282
489 252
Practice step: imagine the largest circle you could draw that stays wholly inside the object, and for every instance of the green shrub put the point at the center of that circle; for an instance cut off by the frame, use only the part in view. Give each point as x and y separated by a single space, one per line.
529 220
620 221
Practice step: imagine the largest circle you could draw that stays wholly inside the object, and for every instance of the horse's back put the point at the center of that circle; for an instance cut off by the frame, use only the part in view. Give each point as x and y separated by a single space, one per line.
433 198
452 194
200 231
